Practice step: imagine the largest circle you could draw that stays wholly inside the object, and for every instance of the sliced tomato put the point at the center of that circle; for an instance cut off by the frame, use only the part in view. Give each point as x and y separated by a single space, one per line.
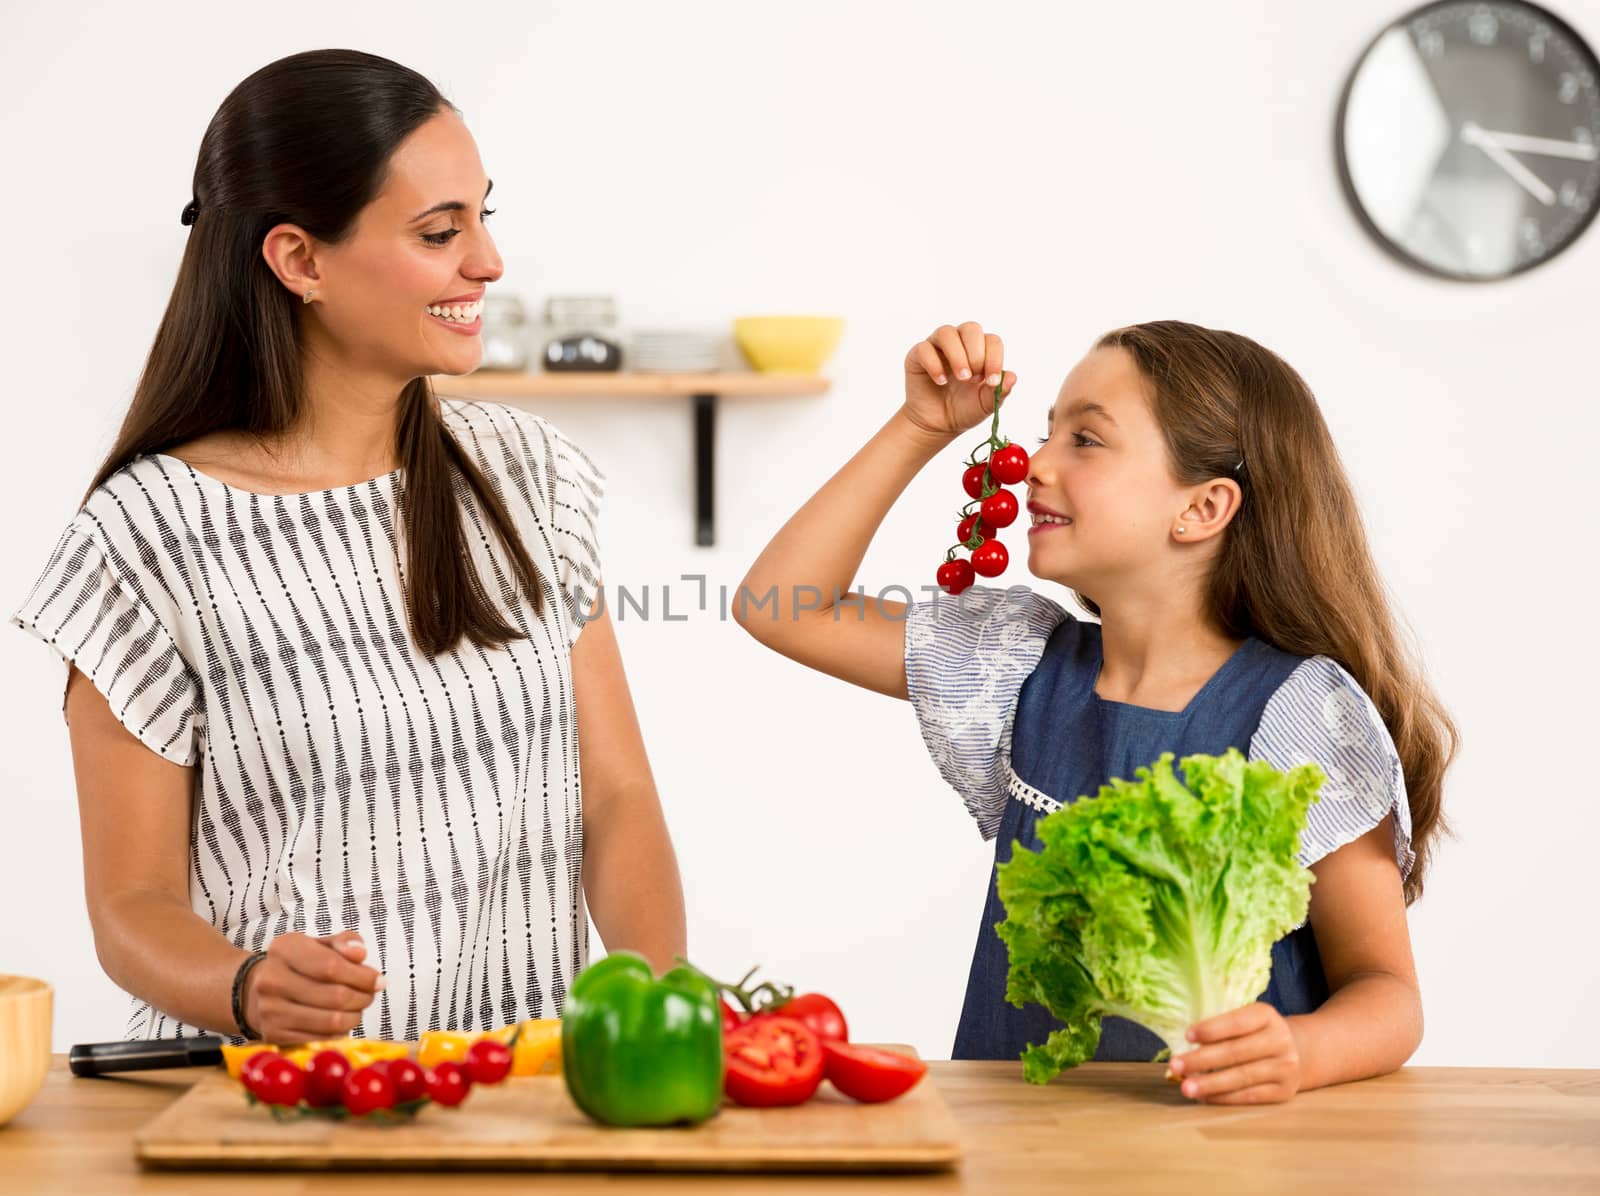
818 1012
732 1018
773 1061
870 1075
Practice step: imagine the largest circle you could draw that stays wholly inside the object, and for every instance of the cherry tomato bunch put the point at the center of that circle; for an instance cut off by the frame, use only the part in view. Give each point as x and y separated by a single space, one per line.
780 1046
990 507
330 1085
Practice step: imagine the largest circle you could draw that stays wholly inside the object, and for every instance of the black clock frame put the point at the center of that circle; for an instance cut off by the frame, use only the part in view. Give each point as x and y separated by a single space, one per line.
1398 251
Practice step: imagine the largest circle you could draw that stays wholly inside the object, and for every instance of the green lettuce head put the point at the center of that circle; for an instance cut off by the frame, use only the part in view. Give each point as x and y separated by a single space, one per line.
1156 902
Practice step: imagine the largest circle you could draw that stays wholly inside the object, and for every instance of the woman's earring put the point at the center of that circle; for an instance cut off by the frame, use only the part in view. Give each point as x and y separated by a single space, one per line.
308 294
1180 531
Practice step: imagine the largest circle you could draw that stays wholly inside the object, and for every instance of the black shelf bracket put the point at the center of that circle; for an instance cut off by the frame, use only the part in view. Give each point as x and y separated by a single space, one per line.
705 455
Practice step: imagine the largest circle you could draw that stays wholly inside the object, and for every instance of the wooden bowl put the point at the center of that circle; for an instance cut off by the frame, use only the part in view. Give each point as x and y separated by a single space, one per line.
25 1006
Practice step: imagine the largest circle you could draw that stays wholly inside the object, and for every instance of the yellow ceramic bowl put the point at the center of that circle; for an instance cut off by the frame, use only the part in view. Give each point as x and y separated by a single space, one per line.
25 1006
788 344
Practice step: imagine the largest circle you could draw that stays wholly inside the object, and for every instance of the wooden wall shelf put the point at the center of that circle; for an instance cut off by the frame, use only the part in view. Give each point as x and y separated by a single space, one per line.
704 389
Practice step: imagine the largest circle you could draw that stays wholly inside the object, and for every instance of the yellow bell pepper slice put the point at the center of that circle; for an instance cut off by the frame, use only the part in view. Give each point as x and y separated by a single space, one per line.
302 1054
359 1051
233 1057
364 1051
538 1048
440 1046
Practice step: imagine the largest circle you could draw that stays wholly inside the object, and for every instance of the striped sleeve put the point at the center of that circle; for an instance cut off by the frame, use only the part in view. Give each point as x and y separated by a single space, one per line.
966 660
94 619
1320 714
576 486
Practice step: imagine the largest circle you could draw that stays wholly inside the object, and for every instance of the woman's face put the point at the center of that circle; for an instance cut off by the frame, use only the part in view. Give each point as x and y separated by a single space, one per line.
1104 466
420 243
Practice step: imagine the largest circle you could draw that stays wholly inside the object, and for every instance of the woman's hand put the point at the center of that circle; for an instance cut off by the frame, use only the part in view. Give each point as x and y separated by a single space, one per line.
310 988
951 377
1247 1057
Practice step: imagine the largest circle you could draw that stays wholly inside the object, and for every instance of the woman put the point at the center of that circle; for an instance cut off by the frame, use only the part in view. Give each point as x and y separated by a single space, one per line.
344 760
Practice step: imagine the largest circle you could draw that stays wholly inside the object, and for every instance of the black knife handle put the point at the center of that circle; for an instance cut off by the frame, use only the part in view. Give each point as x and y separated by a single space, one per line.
103 1058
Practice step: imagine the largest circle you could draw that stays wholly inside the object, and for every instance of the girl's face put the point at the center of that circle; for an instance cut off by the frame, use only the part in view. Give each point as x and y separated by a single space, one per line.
420 243
1104 466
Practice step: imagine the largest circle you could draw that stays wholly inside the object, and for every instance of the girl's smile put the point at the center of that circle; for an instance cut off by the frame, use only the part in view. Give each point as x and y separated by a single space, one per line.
1044 519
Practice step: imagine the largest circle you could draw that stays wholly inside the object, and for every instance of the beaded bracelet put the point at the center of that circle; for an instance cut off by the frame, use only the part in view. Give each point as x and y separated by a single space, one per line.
238 993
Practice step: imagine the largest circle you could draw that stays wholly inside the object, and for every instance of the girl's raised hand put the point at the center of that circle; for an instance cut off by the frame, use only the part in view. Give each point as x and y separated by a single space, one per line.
951 378
1249 1056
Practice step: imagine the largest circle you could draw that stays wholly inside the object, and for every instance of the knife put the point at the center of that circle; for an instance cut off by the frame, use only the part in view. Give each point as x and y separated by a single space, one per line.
144 1054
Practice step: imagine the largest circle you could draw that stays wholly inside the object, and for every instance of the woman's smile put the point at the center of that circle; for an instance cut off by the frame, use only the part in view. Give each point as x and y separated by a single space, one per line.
462 314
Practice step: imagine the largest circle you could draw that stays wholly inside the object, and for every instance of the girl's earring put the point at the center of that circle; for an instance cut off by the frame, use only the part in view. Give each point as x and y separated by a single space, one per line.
1180 531
308 294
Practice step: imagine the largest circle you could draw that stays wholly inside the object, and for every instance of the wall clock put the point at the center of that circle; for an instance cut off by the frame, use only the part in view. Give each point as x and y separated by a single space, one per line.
1468 138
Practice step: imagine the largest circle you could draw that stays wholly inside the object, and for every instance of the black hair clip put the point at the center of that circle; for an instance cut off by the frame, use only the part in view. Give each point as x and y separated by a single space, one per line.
191 211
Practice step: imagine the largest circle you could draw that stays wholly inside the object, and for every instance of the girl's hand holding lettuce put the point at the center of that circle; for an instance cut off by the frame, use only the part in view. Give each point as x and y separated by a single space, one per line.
1248 1056
1156 902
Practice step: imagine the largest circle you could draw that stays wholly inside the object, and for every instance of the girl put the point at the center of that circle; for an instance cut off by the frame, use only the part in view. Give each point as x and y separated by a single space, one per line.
1189 493
336 754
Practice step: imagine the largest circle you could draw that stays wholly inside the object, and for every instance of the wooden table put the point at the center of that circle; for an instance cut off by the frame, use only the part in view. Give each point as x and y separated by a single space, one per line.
1106 1127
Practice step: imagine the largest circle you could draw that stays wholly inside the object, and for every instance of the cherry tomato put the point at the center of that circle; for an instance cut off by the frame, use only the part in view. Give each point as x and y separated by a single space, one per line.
366 1089
407 1078
325 1075
964 529
773 1061
252 1064
447 1084
955 576
820 1014
1009 465
990 558
1000 509
870 1075
279 1082
972 480
487 1062
732 1019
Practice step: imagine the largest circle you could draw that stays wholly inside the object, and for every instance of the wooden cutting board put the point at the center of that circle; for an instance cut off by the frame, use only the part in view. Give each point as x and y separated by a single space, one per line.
531 1123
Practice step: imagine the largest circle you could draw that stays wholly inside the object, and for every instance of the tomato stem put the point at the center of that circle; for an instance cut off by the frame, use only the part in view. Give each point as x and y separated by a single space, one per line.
974 541
748 998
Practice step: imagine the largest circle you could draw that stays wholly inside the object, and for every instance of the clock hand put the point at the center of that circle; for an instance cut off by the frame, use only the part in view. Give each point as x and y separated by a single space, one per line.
1583 151
1530 182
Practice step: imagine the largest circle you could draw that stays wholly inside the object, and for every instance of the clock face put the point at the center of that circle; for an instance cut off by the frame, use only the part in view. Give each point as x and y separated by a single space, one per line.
1469 138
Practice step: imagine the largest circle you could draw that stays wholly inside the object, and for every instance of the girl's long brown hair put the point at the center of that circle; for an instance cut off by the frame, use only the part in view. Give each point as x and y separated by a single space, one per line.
1294 567
307 140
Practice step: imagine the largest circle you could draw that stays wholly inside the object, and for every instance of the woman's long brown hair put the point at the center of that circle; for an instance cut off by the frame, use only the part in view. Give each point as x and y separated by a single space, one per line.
1294 567
307 140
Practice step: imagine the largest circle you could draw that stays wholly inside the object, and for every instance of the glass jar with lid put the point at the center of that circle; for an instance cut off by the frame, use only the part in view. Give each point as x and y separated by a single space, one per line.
582 334
505 333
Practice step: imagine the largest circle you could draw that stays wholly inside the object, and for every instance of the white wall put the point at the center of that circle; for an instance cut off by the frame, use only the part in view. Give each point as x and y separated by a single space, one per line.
1049 169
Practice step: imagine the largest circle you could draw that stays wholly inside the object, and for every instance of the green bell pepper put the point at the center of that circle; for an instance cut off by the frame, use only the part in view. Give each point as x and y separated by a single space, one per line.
637 1050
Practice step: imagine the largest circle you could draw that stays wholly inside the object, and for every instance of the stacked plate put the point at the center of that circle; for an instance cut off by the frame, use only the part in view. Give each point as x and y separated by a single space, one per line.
676 350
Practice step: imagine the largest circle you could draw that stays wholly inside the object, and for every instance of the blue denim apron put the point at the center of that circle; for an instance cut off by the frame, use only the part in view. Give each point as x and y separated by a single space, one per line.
1067 742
